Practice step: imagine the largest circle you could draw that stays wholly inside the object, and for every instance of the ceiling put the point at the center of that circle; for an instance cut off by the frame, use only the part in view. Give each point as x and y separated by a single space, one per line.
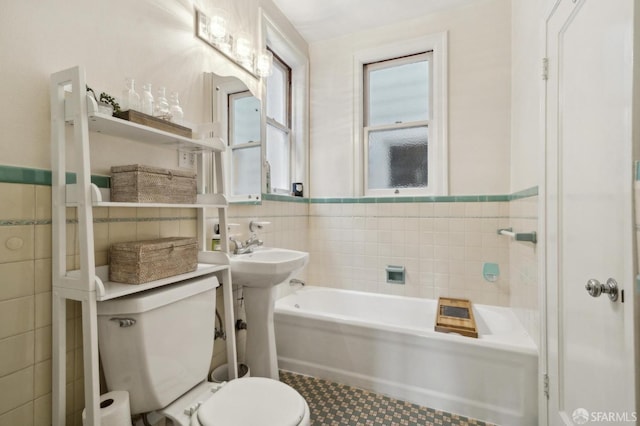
318 20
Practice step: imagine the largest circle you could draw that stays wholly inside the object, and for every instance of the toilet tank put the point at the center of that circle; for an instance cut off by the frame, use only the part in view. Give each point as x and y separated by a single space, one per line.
158 344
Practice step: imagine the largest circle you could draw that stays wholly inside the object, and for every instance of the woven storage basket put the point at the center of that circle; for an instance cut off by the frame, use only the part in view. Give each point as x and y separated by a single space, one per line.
138 262
144 184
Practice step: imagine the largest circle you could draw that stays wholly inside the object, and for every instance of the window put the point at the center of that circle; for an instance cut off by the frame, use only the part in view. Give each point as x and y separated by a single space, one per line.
400 136
278 112
244 141
396 124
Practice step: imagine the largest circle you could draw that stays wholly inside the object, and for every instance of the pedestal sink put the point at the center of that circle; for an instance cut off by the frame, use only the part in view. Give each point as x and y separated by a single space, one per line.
259 272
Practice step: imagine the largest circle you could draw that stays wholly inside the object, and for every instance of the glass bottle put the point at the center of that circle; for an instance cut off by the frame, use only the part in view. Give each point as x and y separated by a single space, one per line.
130 99
175 110
147 100
161 106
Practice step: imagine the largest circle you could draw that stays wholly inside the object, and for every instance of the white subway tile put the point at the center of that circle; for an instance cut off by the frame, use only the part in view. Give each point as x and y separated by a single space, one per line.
16 389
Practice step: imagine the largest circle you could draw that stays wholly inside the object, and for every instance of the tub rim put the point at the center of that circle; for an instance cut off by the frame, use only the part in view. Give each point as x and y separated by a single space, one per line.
524 344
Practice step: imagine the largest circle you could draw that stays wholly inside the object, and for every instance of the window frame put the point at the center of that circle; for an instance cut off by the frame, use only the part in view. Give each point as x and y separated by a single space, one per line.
231 98
385 64
286 128
438 111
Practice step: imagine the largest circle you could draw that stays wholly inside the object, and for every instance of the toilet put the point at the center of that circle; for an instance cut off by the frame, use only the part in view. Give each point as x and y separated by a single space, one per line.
157 345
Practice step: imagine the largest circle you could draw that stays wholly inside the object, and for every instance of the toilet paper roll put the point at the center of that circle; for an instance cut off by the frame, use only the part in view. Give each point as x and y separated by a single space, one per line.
114 409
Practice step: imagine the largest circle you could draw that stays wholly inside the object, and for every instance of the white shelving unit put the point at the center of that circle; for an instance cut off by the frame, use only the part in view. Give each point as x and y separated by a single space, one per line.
89 284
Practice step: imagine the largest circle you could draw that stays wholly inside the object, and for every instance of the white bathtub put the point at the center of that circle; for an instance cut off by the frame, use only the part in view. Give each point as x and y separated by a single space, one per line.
388 344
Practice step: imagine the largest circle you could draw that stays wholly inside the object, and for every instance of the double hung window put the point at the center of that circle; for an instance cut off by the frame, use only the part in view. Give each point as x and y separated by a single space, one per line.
397 118
278 112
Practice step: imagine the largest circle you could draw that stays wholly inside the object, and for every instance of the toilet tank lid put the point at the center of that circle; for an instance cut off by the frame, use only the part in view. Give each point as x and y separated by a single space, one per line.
158 297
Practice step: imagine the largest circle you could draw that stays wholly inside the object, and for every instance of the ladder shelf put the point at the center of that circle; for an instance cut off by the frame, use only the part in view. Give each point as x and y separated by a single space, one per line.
89 284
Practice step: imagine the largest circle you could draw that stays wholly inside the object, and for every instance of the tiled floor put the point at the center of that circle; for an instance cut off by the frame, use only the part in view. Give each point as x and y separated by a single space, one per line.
336 404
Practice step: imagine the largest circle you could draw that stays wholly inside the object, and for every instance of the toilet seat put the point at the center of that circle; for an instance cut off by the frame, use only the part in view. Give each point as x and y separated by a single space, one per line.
253 401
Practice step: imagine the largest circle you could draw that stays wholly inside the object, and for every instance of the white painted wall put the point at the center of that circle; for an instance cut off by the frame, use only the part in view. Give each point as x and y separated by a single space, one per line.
526 92
479 98
149 40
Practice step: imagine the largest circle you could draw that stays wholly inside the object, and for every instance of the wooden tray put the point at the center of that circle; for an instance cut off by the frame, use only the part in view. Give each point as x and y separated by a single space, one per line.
456 316
155 122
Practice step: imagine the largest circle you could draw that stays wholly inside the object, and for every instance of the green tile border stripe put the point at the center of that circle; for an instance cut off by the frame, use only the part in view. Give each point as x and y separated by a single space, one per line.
286 198
245 203
529 192
29 176
24 175
422 199
29 222
525 193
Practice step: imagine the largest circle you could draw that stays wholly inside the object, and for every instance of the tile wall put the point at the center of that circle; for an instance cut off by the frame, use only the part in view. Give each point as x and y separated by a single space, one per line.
287 227
25 310
25 294
523 265
442 244
288 222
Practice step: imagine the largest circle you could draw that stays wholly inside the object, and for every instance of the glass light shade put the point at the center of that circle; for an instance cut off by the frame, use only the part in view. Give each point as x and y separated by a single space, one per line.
203 25
243 48
264 64
218 27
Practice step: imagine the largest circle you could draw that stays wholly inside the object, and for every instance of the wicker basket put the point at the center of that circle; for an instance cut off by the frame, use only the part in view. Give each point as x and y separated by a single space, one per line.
143 184
138 262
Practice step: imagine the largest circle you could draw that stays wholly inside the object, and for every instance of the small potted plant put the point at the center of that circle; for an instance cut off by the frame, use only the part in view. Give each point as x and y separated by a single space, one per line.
107 104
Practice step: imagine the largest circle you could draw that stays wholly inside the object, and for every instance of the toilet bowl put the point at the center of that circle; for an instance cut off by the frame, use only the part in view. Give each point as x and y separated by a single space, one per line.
157 345
241 402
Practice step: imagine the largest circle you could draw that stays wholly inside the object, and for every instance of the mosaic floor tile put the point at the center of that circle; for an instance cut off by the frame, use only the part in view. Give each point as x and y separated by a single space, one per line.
335 404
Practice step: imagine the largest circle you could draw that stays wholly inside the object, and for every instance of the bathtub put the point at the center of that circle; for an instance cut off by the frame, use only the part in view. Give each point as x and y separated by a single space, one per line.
388 344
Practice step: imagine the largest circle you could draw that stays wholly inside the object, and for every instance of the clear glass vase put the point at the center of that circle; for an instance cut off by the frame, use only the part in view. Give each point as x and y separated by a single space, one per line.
147 100
130 98
175 110
161 106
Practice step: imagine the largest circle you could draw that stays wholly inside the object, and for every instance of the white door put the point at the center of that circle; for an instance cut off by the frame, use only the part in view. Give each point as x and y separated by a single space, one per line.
588 212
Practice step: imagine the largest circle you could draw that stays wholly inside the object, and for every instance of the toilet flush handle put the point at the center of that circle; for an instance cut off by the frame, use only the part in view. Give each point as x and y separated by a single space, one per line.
124 322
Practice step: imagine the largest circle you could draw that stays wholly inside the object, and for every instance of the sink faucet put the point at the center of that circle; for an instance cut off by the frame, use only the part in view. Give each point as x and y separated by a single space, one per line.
247 246
237 244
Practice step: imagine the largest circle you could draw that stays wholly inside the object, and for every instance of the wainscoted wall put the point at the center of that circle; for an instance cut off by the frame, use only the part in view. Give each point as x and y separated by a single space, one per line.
287 228
442 242
442 246
523 262
25 294
288 221
25 311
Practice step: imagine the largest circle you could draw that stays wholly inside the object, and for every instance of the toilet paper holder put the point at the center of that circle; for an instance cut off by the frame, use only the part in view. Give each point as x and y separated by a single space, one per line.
124 322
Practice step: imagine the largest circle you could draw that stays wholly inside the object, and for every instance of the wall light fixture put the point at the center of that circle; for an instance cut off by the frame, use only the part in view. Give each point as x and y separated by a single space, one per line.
237 48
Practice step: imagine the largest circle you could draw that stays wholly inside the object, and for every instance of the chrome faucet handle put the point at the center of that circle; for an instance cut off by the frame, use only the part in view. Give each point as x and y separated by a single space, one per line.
237 243
253 239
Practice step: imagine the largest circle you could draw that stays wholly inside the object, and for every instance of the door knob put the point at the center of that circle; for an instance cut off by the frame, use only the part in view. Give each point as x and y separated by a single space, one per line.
595 288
